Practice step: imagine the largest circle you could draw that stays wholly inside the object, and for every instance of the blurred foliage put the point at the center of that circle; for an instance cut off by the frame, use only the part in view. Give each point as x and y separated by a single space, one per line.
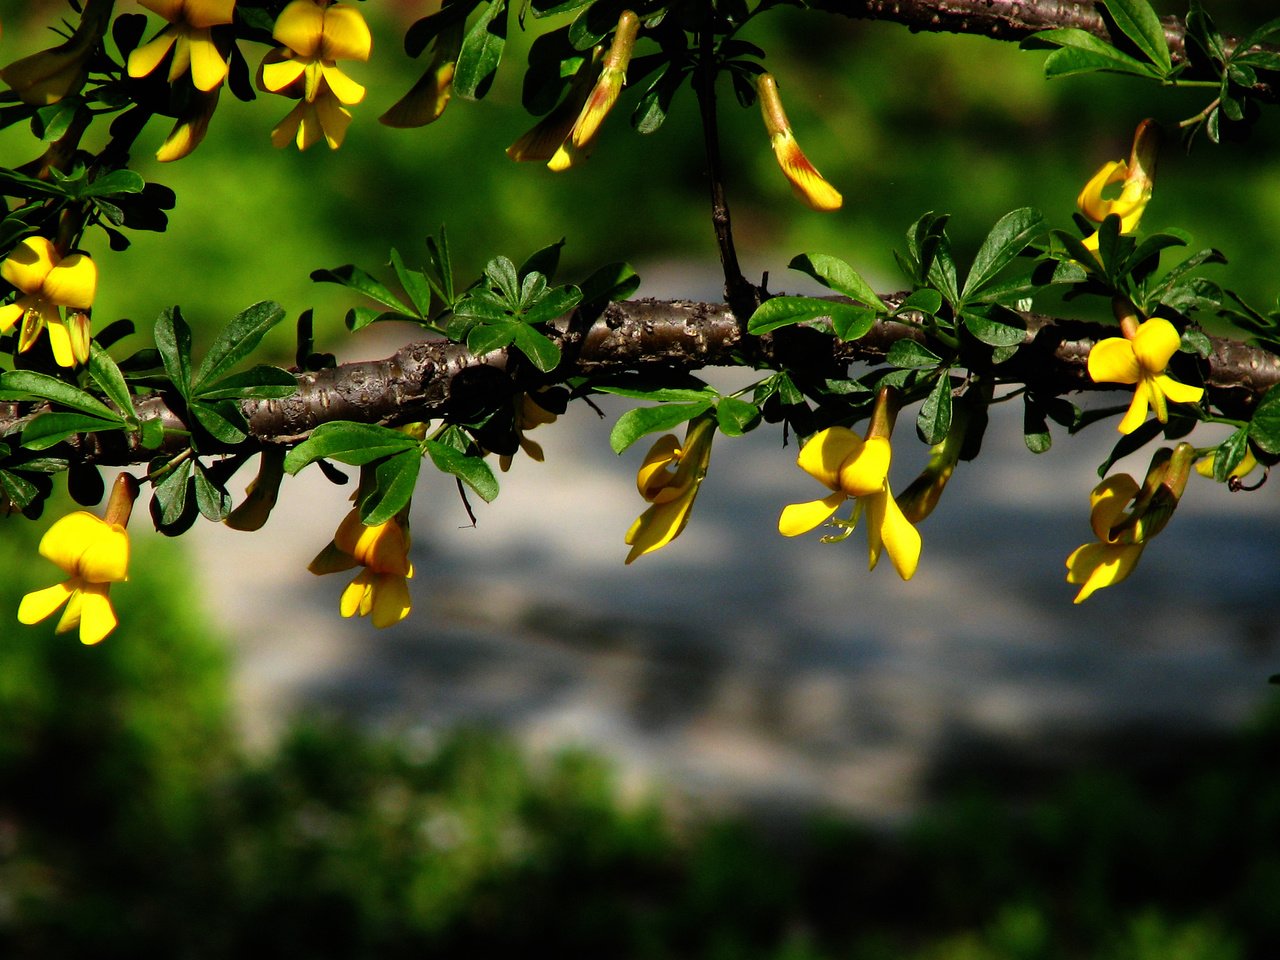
131 825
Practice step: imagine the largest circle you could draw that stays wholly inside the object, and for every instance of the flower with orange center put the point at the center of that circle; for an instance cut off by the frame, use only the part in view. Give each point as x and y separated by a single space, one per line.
807 183
48 282
381 589
190 37
1137 177
94 553
315 35
1141 360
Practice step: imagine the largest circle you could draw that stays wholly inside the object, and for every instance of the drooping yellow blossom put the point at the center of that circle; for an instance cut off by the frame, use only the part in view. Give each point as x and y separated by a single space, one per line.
1137 175
669 479
529 415
94 553
48 76
189 129
426 99
544 139
856 469
190 37
381 589
1122 533
1141 359
604 94
315 35
49 282
806 181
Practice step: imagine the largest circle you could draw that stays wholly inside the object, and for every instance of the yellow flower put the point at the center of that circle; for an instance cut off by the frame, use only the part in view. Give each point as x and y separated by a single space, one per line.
190 128
544 140
1235 479
48 76
426 99
804 177
1137 175
315 35
1141 360
94 553
1123 534
48 282
859 469
669 479
381 588
190 38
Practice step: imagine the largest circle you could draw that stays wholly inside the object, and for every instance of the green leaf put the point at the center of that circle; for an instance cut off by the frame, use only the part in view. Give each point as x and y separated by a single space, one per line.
260 382
485 338
660 394
925 300
20 491
1264 428
555 303
992 332
222 419
544 354
353 278
107 375
171 493
736 416
912 355
212 498
634 424
1035 428
30 383
441 268
1141 25
482 305
1229 454
934 419
348 442
501 272
1082 52
1008 238
237 340
545 261
837 275
49 429
472 471
113 184
394 482
609 284
785 311
850 323
152 432
173 341
414 282
481 52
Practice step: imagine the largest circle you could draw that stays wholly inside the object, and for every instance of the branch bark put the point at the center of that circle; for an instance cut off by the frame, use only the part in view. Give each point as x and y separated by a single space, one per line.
430 379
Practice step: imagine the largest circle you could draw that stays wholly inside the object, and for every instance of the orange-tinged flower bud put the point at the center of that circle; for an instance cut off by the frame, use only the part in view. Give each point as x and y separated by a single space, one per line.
545 139
806 181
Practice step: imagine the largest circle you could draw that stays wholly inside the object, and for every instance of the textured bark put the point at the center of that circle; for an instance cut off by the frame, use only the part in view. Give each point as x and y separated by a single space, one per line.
426 380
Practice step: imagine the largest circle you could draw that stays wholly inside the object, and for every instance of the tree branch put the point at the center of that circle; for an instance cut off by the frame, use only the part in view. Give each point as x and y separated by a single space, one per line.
431 379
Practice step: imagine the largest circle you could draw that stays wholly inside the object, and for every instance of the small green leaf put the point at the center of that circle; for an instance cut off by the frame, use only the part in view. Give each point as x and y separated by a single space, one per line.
611 283
1035 428
736 416
152 432
992 332
48 429
924 300
502 274
348 442
212 498
481 52
851 323
262 382
544 354
1082 52
1229 454
237 340
113 184
1008 238
222 419
414 283
394 480
171 493
1141 25
785 311
353 278
29 383
912 355
107 375
634 424
555 303
173 341
837 275
934 419
485 338
1264 428
472 471
660 394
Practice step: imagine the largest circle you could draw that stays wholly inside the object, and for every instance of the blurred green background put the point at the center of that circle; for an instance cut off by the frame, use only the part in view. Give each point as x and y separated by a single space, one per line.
131 820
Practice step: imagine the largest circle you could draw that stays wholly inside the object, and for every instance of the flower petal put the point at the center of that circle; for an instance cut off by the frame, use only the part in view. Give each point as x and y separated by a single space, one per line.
39 604
653 474
73 282
276 75
826 452
1178 392
659 525
1137 412
342 86
865 473
1090 199
143 60
1108 501
209 13
1155 343
391 602
97 618
1098 565
798 518
29 264
208 68
806 182
1113 361
106 556
300 27
346 35
356 594
332 120
894 530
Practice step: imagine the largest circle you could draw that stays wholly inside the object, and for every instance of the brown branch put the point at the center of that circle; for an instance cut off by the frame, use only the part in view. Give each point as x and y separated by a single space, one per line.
425 380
